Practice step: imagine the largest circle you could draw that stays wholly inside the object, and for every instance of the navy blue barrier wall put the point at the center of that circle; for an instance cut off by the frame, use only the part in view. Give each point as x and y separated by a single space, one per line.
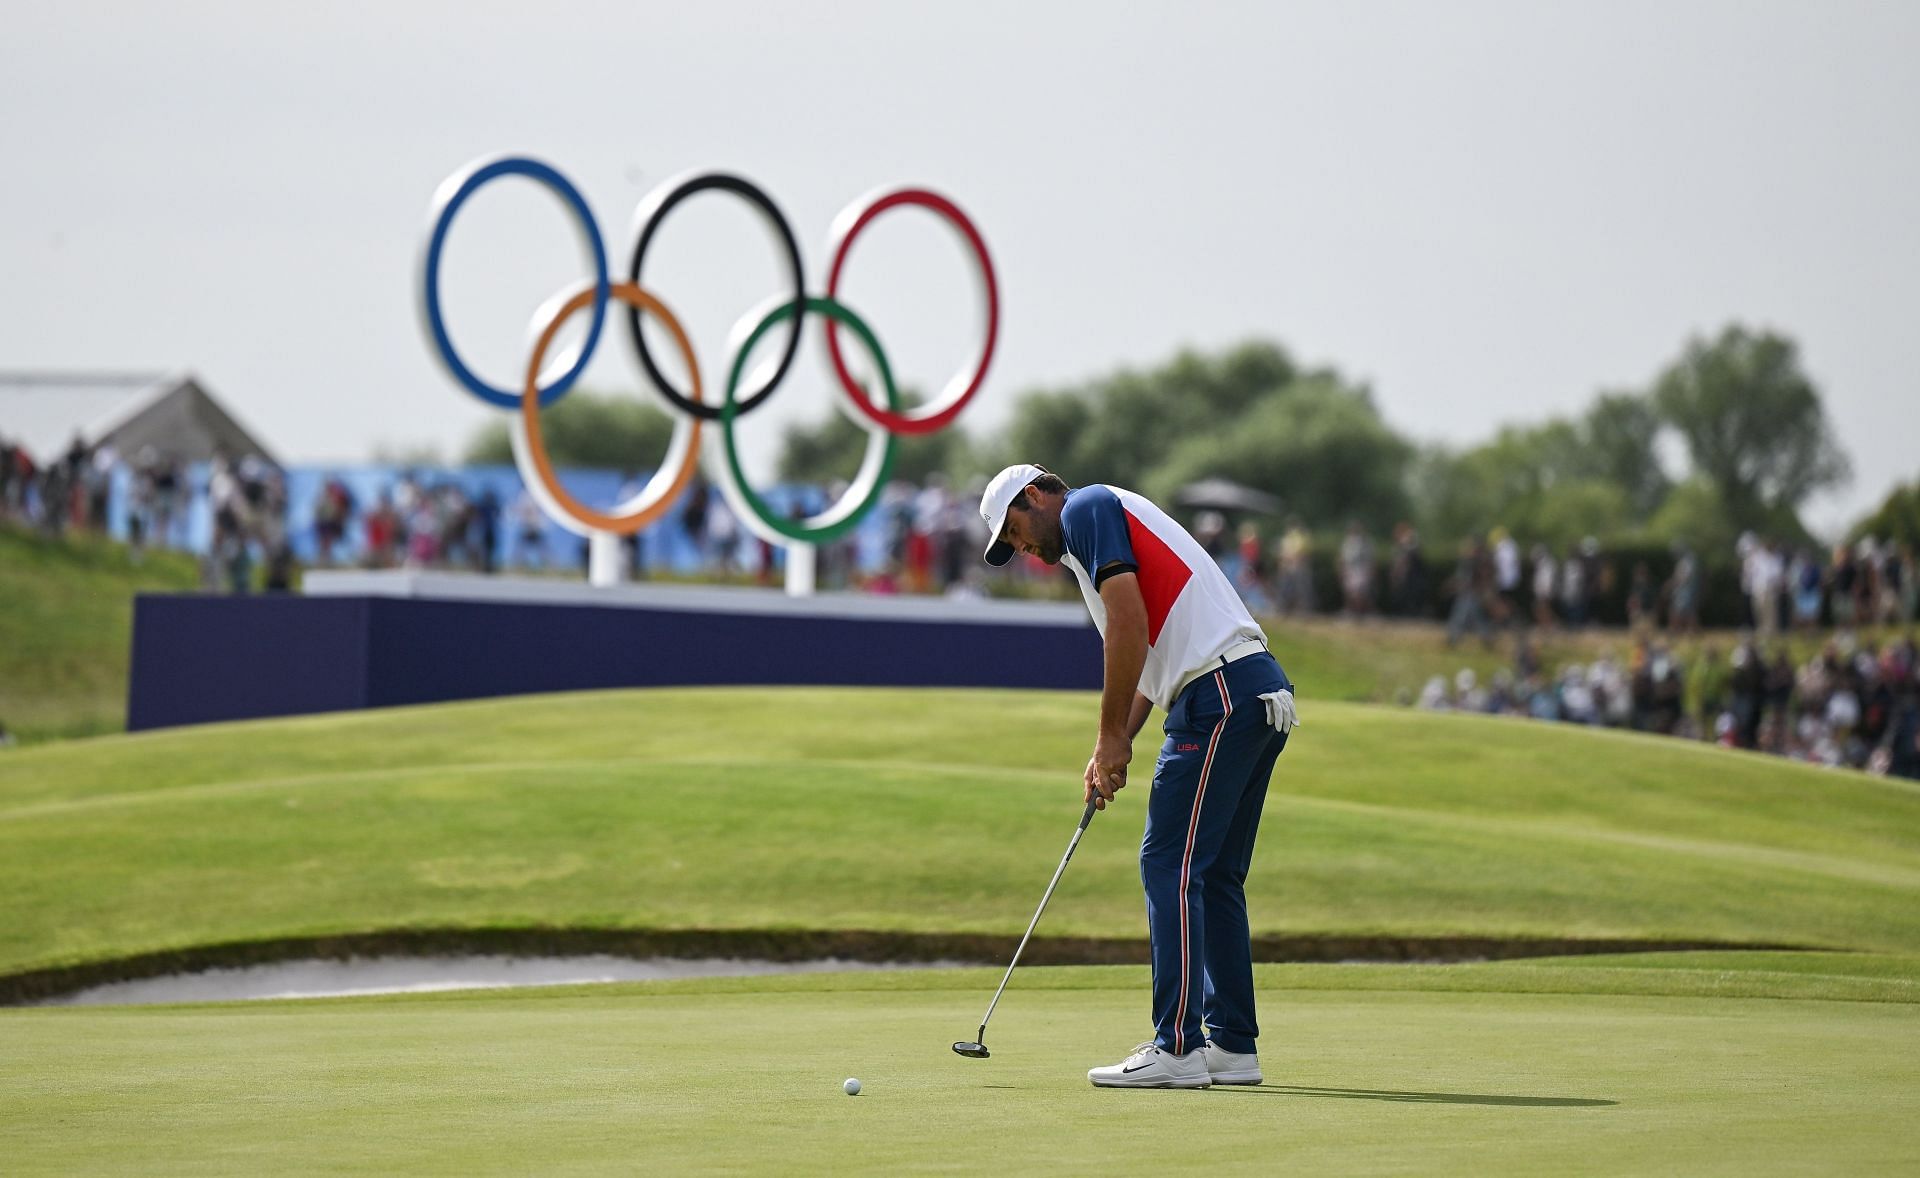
198 659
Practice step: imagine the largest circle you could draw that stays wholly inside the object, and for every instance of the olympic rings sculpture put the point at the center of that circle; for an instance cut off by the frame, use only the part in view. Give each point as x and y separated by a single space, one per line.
882 423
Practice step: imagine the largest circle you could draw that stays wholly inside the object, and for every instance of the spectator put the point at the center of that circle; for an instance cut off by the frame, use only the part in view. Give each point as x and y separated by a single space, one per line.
1543 574
1407 575
8 475
383 533
723 538
140 497
1210 531
332 512
1574 589
1506 576
1643 600
1765 576
1467 695
1612 689
1296 569
927 537
530 531
1683 592
99 484
1748 686
1892 578
1356 571
632 486
693 515
1472 584
1577 702
1660 691
1805 583
1909 587
1779 695
1841 576
486 518
1251 580
1706 693
957 554
1866 580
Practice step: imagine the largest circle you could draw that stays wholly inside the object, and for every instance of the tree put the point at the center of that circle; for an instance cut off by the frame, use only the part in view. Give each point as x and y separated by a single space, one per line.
831 449
1317 444
1540 482
1117 428
585 429
1753 424
1897 518
1620 439
1695 515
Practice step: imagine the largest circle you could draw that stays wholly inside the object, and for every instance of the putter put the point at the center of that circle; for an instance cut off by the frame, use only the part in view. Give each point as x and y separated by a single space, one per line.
978 1048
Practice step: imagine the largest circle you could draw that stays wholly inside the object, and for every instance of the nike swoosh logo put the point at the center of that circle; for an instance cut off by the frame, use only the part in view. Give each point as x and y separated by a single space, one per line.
1130 1071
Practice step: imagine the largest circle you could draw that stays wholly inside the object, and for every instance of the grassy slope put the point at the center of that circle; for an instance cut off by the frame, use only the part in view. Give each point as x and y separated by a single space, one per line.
834 809
66 621
1370 1070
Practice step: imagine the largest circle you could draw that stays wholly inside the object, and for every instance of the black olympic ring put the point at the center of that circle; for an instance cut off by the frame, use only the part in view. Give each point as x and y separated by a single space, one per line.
651 213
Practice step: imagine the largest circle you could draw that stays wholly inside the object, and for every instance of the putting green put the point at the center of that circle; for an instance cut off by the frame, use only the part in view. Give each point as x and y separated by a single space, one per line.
1624 1065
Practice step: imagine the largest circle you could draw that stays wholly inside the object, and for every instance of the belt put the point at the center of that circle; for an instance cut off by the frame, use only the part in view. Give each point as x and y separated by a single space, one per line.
1232 654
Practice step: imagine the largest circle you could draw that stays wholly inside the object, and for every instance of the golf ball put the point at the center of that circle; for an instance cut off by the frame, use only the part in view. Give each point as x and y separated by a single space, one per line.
852 1086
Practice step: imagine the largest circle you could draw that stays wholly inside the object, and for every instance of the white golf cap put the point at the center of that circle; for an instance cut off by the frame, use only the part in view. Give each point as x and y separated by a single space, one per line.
1005 487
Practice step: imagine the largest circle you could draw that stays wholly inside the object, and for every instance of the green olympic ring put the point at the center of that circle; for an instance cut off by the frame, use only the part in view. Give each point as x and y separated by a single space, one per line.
875 467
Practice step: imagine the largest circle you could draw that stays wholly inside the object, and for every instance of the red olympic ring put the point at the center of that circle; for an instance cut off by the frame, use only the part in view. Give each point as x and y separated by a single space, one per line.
965 384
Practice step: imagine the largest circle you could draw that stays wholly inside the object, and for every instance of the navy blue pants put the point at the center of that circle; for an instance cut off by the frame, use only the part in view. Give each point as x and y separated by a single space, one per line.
1208 788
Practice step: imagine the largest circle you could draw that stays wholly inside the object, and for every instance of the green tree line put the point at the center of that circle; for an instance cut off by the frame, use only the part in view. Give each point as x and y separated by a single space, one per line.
1737 407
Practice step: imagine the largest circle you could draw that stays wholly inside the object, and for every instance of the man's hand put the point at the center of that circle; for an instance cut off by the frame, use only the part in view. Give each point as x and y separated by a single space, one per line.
1107 769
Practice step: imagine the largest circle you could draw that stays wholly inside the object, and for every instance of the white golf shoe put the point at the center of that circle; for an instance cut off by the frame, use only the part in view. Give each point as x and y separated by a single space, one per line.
1229 1067
1150 1067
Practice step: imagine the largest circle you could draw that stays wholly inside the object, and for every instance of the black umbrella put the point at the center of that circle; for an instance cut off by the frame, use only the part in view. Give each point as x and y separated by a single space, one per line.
1225 495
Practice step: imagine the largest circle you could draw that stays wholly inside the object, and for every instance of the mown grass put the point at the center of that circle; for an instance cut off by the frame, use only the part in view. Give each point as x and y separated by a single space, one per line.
66 626
923 812
1627 1066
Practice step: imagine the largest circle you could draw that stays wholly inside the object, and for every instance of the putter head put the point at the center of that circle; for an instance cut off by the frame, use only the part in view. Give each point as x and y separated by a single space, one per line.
972 1050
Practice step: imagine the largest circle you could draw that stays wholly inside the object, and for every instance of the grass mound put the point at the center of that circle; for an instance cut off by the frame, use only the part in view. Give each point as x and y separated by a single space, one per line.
66 626
796 812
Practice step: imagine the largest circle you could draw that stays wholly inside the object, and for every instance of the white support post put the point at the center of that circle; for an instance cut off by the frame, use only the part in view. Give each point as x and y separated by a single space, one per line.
606 559
800 569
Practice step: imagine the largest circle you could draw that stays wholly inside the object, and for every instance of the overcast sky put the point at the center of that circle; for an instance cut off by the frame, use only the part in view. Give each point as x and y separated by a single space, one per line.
1489 211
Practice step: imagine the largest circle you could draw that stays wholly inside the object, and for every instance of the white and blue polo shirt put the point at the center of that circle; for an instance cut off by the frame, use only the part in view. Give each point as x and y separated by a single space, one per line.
1193 613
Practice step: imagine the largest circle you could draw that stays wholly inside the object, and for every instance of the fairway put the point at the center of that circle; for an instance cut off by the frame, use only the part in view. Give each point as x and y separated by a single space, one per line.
1584 1067
766 813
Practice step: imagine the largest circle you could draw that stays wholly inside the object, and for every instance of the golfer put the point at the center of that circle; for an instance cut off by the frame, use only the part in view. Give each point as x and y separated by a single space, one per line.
1176 636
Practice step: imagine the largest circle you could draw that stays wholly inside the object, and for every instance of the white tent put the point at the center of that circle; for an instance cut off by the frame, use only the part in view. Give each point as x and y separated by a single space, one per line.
174 414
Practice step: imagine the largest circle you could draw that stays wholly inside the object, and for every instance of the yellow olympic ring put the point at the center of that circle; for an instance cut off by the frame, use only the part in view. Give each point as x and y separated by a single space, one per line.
530 451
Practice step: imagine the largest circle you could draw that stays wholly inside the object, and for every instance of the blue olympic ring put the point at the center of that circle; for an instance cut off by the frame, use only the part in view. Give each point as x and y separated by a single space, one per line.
452 195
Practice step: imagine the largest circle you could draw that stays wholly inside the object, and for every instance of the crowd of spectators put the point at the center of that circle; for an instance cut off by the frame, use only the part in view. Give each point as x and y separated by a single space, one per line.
923 539
1851 703
74 491
1791 587
1496 583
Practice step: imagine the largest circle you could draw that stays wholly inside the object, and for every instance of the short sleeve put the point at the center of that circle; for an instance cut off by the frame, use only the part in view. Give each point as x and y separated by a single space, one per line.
1094 526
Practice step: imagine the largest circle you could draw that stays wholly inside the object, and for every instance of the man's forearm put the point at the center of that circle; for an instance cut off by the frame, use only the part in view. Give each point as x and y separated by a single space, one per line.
1142 708
1126 656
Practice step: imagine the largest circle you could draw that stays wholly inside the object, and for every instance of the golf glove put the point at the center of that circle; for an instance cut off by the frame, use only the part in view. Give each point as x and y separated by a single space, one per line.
1280 711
